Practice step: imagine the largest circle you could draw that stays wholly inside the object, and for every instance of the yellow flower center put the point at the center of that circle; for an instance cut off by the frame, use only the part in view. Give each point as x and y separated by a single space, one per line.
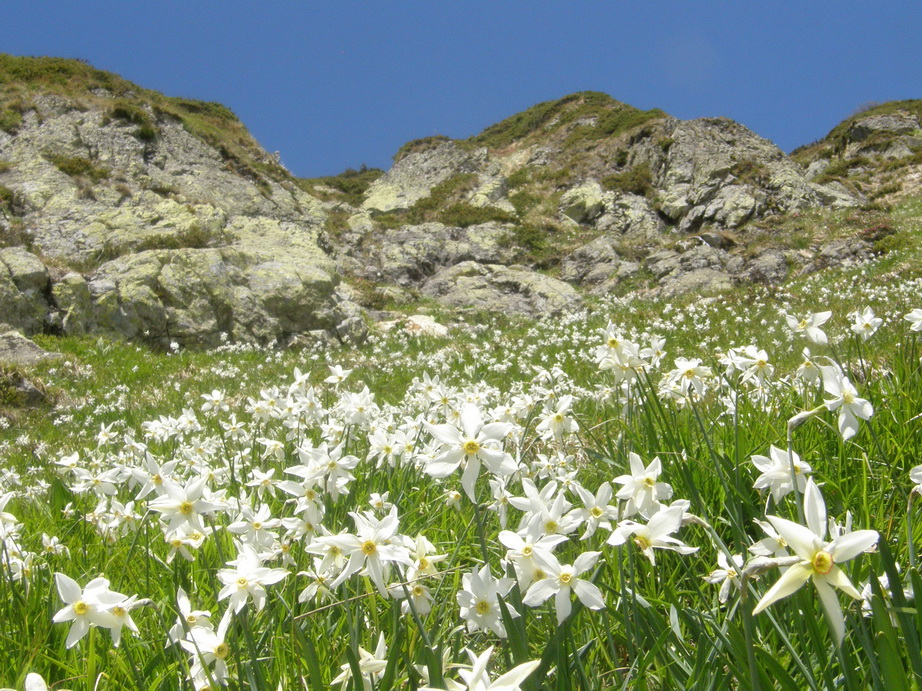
257 525
80 607
558 418
642 542
369 547
565 578
222 650
157 479
539 574
802 324
848 397
596 512
418 591
527 550
242 582
185 508
191 620
423 563
822 562
613 342
118 611
550 527
649 482
471 447
482 607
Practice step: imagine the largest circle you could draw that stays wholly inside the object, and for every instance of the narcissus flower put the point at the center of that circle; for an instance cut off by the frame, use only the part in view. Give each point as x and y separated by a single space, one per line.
845 400
561 580
809 326
819 559
468 446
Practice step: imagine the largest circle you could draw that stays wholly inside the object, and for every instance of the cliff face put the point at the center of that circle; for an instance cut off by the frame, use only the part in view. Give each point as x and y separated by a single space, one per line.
125 211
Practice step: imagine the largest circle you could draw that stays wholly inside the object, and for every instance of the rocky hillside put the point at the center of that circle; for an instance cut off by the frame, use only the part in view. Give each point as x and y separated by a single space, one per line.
876 154
125 211
595 191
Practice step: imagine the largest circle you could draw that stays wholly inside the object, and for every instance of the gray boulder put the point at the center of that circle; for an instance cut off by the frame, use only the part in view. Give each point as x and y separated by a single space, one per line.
408 255
16 349
413 177
496 288
24 284
195 296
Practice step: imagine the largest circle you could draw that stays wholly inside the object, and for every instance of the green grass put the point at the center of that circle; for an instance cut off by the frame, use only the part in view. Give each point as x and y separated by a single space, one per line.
611 117
350 185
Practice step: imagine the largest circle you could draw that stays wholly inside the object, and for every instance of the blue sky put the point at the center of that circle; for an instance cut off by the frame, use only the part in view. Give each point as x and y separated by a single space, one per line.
336 84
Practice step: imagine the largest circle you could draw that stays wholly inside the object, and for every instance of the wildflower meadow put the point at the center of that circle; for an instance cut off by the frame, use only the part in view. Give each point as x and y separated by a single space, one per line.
705 493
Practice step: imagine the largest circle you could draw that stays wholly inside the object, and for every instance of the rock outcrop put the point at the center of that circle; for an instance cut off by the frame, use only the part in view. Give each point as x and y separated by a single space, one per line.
501 289
166 235
126 212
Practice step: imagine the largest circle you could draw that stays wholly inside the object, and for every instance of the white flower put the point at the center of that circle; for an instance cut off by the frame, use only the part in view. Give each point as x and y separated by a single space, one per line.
248 579
560 580
656 534
479 600
557 423
641 490
473 443
915 319
522 548
371 665
810 326
478 679
865 323
91 606
776 472
188 618
807 369
596 510
371 547
819 559
728 575
208 646
845 400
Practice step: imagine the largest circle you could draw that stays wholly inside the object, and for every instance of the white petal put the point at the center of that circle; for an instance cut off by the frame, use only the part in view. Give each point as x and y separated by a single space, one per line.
850 545
801 539
815 509
447 434
563 605
471 420
68 588
790 582
585 561
838 578
589 594
34 682
512 680
539 592
832 608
